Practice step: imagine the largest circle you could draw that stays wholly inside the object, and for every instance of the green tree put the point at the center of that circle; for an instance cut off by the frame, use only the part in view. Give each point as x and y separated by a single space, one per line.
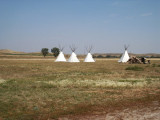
44 51
55 51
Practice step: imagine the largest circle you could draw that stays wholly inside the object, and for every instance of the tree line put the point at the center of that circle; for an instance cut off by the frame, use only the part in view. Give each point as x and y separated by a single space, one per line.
54 50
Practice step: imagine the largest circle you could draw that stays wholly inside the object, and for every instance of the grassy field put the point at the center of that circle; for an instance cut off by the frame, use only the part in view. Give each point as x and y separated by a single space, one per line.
42 89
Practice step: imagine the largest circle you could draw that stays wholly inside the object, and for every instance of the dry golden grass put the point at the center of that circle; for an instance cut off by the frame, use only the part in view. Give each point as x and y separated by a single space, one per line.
42 89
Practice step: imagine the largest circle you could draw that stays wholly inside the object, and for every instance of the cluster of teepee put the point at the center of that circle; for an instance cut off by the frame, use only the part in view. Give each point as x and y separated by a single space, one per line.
73 57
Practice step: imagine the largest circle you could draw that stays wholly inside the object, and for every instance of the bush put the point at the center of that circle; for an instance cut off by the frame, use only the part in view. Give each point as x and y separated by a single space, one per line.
135 68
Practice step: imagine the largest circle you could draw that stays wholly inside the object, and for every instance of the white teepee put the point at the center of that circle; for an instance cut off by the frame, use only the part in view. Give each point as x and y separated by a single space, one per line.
73 57
89 57
125 56
61 57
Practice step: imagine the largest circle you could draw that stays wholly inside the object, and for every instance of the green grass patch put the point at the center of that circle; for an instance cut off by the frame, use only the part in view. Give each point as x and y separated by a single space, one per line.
154 77
135 68
154 65
129 80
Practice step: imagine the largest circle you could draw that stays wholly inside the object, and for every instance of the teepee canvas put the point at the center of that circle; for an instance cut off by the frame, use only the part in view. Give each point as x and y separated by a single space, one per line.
60 57
125 56
73 57
89 57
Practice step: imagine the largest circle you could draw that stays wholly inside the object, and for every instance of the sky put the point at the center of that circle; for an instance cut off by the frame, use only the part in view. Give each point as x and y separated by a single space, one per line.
107 25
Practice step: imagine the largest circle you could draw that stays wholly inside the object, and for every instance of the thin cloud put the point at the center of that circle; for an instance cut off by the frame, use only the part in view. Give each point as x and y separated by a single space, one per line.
146 14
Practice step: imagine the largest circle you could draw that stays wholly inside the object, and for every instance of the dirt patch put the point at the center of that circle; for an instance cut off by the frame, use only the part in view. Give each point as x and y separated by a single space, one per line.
150 112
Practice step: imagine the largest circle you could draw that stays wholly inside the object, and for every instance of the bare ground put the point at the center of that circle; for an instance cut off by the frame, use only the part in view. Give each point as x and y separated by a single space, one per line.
149 112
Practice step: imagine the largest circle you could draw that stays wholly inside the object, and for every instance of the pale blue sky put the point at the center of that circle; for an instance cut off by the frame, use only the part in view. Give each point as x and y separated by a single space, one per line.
29 25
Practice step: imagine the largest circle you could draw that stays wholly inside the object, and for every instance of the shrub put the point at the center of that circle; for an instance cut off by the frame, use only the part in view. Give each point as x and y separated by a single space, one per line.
135 68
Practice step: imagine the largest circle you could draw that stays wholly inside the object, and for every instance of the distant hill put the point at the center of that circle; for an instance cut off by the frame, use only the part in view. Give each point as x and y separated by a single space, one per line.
8 51
11 52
